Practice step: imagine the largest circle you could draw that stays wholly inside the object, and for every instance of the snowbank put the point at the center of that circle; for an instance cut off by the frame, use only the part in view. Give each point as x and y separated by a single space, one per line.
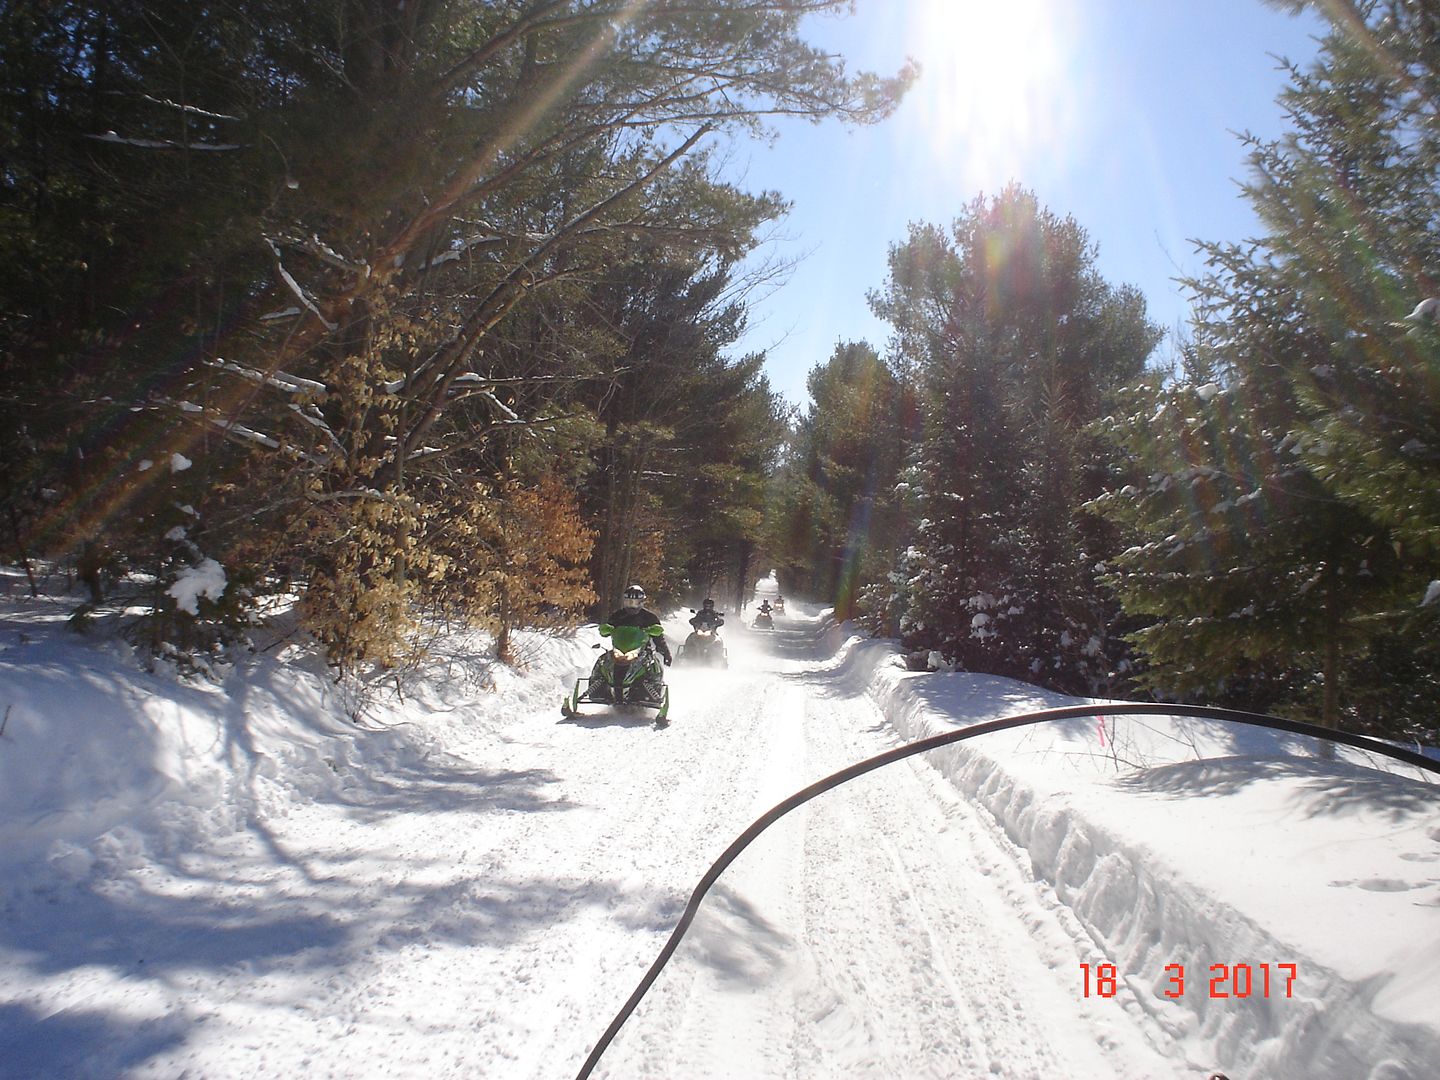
249 877
94 746
1162 837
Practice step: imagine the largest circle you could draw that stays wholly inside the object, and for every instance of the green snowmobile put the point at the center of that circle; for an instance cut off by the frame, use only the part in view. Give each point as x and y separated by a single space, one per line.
628 675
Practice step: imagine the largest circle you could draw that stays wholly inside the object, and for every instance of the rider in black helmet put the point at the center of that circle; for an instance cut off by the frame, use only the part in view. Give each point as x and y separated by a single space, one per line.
707 618
632 612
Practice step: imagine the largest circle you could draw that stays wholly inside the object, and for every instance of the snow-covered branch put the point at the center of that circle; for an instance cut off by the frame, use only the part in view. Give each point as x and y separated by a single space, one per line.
161 144
292 384
294 286
311 415
325 253
462 247
191 109
239 432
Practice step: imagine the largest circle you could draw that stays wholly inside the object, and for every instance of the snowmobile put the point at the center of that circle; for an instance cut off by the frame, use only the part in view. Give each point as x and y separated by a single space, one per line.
779 606
703 647
764 620
628 675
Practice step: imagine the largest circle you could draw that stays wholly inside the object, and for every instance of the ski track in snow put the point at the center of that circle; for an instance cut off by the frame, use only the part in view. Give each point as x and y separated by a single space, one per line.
872 932
477 896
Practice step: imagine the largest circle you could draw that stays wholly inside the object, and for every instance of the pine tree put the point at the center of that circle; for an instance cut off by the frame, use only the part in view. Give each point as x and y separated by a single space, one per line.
687 434
1251 574
1015 343
1351 202
287 241
1312 525
836 518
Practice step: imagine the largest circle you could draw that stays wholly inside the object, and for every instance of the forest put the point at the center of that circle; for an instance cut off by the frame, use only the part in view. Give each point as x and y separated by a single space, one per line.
424 314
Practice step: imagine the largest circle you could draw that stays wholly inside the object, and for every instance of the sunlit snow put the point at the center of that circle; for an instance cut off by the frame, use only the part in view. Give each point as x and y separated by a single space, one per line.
273 875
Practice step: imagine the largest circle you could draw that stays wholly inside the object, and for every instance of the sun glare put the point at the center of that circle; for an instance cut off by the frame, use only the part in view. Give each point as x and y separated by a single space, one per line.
995 93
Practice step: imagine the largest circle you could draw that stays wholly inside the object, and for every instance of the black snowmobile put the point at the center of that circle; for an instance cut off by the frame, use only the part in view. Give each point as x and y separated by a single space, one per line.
703 647
763 619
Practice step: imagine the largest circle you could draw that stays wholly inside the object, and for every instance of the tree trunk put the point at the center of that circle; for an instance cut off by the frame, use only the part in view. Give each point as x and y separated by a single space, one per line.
616 543
1330 674
744 557
502 631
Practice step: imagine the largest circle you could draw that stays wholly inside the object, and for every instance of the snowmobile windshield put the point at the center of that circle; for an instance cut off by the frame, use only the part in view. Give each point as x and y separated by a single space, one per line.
631 638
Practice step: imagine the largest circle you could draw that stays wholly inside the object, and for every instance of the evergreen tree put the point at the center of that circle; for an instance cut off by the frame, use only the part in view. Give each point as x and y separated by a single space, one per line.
285 241
1015 343
687 435
1351 201
1289 525
1253 578
836 517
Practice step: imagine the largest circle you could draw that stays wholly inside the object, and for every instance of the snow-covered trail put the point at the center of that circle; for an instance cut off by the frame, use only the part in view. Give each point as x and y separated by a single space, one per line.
485 911
233 879
884 929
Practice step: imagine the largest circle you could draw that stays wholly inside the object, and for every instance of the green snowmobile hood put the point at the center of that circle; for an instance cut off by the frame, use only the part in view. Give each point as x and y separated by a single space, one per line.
629 638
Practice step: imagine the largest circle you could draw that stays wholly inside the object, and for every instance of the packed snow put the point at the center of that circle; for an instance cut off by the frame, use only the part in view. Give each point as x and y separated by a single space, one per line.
271 874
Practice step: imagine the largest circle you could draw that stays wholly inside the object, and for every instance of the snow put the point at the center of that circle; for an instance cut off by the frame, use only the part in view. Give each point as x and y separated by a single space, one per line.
292 384
205 579
295 287
1426 310
276 875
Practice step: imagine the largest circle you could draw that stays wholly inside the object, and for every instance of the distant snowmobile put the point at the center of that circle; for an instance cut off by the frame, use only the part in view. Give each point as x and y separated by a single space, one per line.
628 676
763 619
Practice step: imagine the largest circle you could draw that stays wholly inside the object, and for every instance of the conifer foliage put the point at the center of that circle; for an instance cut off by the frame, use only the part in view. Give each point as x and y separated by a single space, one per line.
1286 512
1015 344
313 248
838 515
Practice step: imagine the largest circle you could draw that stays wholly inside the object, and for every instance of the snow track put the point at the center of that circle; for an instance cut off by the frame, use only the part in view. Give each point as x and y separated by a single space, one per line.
873 932
236 884
1152 900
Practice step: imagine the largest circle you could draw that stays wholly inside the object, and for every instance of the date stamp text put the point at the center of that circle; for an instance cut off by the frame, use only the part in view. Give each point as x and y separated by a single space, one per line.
1221 980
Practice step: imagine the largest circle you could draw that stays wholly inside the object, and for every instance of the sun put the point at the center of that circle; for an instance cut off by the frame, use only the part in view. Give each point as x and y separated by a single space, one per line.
996 90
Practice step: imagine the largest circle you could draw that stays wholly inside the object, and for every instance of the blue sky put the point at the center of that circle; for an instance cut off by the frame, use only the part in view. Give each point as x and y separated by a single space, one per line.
1120 113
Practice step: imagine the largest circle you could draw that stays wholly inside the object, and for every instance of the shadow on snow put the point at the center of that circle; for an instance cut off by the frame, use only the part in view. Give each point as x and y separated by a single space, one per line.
63 1043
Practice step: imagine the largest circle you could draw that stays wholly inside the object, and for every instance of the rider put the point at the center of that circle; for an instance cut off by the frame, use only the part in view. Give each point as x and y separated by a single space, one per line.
764 607
632 613
707 618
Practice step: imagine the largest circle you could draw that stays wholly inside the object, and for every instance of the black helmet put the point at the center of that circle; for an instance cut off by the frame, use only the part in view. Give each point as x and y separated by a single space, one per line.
634 596
709 604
